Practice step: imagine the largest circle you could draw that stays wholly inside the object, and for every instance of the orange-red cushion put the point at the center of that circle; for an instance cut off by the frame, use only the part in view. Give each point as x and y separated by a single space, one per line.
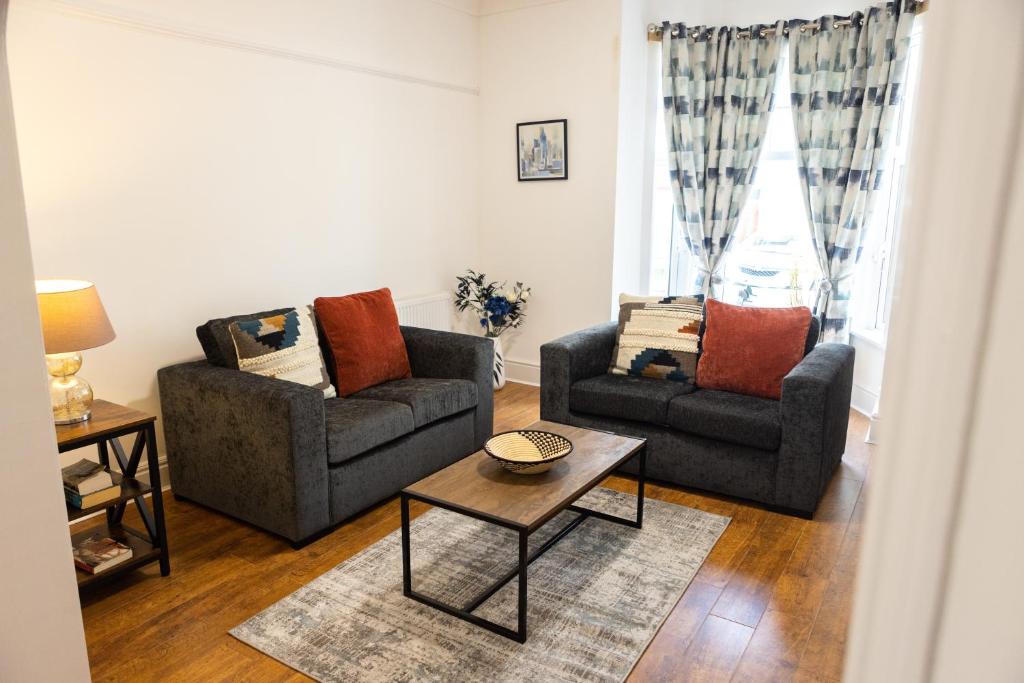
749 350
362 333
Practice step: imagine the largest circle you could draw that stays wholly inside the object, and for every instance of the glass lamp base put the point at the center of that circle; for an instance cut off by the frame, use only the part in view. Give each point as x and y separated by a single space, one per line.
70 395
63 418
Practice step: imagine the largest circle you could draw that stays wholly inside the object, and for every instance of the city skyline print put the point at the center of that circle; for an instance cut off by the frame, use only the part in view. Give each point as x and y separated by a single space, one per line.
542 150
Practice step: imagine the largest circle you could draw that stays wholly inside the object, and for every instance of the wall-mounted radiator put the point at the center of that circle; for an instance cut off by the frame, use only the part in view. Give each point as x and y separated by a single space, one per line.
433 312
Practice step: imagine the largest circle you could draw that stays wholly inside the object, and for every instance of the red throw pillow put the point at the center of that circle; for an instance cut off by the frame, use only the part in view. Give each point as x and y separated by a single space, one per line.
362 333
749 350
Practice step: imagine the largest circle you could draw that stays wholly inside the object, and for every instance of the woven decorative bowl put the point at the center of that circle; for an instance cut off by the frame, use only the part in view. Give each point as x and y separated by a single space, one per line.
528 451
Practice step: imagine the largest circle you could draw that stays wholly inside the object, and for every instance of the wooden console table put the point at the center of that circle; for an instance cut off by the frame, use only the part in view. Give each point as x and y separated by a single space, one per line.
108 422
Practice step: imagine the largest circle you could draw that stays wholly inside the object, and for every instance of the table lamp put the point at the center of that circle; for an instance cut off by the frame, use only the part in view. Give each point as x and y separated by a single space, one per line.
73 320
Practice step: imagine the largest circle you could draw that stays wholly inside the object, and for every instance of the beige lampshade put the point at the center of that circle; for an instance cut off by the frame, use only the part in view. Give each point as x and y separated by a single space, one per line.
72 315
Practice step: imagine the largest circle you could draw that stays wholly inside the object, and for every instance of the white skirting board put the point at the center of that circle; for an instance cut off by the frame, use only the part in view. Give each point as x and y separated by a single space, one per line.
522 372
863 400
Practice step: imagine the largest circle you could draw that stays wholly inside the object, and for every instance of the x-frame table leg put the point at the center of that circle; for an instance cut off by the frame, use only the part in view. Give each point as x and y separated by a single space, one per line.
145 440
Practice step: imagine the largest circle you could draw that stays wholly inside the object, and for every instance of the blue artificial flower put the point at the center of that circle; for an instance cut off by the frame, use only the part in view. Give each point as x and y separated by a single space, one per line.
497 306
497 320
483 322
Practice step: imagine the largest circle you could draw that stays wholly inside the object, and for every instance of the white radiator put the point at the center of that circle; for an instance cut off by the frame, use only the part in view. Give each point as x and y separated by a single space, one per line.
433 312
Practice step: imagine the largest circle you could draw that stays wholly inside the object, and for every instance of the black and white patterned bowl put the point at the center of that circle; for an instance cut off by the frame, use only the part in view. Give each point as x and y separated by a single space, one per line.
528 451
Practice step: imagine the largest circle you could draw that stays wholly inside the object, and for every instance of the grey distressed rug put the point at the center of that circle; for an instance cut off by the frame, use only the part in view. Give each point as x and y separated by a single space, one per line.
596 599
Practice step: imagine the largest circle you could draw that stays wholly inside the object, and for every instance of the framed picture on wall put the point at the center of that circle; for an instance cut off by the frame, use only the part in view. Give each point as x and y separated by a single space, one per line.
542 149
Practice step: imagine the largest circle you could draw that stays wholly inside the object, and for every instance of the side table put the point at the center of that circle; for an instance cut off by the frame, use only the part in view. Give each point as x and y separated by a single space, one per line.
108 422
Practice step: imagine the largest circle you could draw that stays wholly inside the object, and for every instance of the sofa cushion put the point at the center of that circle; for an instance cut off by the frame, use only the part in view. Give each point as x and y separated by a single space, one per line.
658 337
813 330
364 342
355 426
216 340
643 399
725 416
429 399
284 347
749 350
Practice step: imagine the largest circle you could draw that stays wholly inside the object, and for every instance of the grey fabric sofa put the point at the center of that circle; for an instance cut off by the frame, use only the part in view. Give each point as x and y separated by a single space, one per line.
780 453
277 455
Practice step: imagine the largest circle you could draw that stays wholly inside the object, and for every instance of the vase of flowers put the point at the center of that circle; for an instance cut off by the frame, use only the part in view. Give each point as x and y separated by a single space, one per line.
497 307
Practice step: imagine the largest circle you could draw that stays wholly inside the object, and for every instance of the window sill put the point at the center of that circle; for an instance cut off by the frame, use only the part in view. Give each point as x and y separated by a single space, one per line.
874 338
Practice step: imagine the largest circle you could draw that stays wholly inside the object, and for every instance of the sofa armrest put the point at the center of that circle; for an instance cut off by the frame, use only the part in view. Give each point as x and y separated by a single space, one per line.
815 415
253 447
577 356
450 355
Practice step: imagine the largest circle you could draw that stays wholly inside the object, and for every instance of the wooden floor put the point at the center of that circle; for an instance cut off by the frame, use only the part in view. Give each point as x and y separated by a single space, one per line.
771 602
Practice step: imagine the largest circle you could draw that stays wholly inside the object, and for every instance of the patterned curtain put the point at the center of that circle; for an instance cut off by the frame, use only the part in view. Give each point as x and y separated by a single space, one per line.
847 82
718 90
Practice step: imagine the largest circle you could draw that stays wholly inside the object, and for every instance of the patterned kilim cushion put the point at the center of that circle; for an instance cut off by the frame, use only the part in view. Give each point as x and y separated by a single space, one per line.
658 337
284 346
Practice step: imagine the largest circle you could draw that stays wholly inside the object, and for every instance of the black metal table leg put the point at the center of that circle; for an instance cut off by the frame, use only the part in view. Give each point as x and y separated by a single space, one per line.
640 477
104 454
636 523
524 563
158 502
406 561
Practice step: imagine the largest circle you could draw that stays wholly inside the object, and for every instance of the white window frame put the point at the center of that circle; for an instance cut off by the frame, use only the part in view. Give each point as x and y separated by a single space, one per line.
876 273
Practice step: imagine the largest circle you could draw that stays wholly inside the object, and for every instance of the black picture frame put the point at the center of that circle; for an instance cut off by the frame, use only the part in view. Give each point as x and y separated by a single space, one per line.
558 148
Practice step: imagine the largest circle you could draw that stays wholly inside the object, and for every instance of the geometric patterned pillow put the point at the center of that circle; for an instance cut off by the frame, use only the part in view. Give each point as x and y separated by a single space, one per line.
283 346
658 337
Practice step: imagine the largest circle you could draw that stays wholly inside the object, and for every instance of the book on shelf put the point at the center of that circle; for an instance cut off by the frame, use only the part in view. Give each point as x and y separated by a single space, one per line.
95 498
85 477
97 553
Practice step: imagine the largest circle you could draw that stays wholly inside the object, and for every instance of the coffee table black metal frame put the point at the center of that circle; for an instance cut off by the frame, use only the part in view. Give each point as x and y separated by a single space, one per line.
525 557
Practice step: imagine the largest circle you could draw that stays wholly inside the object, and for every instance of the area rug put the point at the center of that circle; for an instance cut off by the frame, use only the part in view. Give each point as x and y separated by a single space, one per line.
596 599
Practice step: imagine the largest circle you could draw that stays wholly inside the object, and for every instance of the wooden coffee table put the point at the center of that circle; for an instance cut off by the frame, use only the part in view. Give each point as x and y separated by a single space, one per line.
477 486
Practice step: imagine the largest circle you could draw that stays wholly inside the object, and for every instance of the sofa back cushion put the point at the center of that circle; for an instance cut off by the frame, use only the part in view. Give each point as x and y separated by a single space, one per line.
362 335
812 335
658 337
750 350
283 346
216 340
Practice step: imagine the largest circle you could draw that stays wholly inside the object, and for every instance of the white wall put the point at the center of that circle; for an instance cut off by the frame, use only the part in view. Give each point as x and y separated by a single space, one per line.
42 638
544 61
199 159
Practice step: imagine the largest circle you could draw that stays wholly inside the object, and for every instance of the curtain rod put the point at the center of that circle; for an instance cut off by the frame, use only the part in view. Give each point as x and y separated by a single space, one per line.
654 32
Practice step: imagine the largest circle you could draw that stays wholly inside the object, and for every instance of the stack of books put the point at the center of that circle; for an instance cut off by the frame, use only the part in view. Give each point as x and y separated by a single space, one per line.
97 553
88 483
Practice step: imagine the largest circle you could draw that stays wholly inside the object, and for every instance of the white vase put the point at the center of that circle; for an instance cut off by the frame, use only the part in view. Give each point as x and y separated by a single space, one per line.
499 363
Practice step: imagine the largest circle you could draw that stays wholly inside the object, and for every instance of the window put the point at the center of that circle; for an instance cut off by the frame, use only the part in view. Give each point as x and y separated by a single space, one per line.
872 293
771 261
669 259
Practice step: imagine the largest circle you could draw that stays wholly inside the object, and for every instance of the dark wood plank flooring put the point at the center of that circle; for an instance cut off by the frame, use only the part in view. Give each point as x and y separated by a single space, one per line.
771 603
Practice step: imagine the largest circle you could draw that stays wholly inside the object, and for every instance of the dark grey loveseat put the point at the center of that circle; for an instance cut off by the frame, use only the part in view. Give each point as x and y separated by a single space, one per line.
780 453
277 455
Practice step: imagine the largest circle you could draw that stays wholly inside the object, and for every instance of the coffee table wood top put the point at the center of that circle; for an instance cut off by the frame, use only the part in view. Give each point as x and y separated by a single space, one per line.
479 486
